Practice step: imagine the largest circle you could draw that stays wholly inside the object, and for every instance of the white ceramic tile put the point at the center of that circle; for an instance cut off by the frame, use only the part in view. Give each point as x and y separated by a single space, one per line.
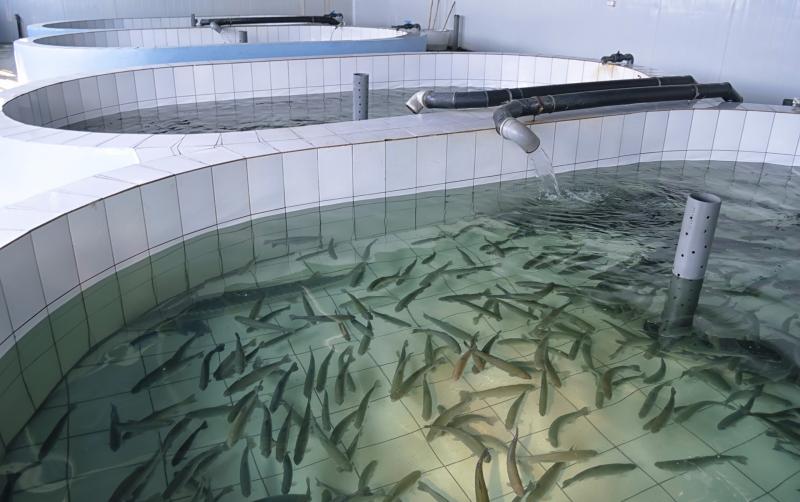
184 80
543 70
55 257
145 85
315 76
265 181
527 70
347 66
411 67
230 191
678 127
19 276
91 240
300 177
566 142
460 68
242 77
655 130
611 136
126 225
396 68
401 164
431 160
203 80
558 71
279 74
589 139
369 168
90 93
196 199
515 160
756 131
330 71
261 76
161 211
574 71
785 134
728 133
335 172
460 156
494 67
164 82
701 134
632 132
444 67
297 73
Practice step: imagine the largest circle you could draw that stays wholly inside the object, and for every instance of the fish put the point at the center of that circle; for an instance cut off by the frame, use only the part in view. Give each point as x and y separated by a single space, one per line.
191 467
238 358
562 456
308 384
429 258
608 375
366 337
551 371
405 273
187 444
114 435
383 281
505 366
343 462
427 399
322 374
461 363
740 413
740 394
282 442
470 441
543 396
54 434
177 361
481 492
358 274
362 406
464 256
277 395
133 482
650 400
660 420
286 481
435 495
600 470
479 309
658 375
211 411
710 376
227 367
174 432
366 475
341 379
204 368
431 277
555 427
446 415
513 411
255 324
351 449
343 425
410 297
684 413
266 434
430 352
301 443
447 339
511 466
362 309
255 376
462 420
239 422
450 329
546 482
403 486
267 317
244 470
390 319
241 403
686 464
326 413
314 319
497 392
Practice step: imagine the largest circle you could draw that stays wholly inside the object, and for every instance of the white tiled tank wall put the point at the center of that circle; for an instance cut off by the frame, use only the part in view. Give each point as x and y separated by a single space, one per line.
73 101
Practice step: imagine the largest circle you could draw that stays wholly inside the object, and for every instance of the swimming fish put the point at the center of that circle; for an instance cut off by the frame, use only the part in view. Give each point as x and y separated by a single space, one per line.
282 442
405 273
326 412
511 466
427 399
599 470
686 464
204 367
244 470
660 420
497 392
562 456
403 486
446 415
177 361
546 482
362 406
286 481
266 434
54 434
650 400
301 443
410 297
505 366
513 411
391 319
658 375
555 427
187 444
308 384
255 376
322 374
481 493
277 395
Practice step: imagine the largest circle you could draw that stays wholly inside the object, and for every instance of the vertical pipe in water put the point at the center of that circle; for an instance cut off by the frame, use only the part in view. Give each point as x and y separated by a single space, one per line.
360 96
456 32
241 36
691 259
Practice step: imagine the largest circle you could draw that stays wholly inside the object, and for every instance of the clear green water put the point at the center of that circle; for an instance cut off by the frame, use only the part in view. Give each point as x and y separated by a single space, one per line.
606 247
249 114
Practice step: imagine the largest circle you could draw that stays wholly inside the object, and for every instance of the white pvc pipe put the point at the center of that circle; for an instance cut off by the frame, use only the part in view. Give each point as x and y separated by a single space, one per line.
360 96
697 234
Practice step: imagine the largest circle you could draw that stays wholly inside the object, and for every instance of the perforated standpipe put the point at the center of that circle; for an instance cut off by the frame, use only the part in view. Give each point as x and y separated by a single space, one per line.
697 234
360 96
691 260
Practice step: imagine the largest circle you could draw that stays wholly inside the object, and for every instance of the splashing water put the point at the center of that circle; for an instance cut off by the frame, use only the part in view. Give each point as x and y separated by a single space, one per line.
540 162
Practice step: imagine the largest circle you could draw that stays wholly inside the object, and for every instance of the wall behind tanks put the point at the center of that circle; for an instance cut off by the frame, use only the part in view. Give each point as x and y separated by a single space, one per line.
39 11
751 43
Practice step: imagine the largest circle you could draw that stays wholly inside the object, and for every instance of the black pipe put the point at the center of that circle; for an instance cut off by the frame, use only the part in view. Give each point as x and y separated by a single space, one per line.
407 26
20 30
617 57
485 99
507 125
330 19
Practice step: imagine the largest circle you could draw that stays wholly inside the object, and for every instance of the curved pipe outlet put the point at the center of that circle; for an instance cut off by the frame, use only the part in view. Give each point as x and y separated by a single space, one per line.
514 130
618 58
495 97
505 115
214 26
416 102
